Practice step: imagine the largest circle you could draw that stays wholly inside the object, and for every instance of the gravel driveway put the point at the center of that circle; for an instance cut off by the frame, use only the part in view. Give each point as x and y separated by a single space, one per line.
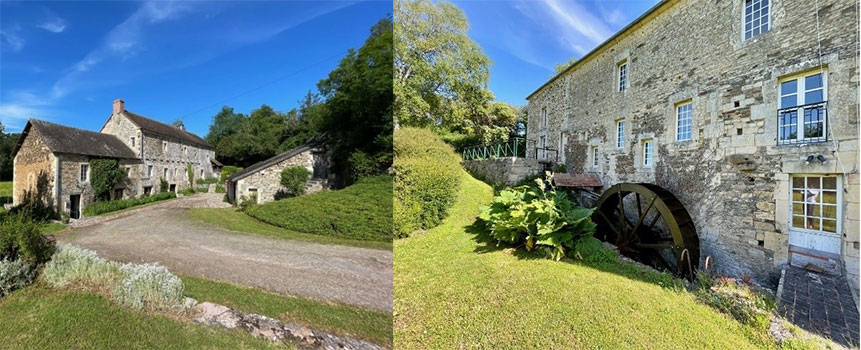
163 234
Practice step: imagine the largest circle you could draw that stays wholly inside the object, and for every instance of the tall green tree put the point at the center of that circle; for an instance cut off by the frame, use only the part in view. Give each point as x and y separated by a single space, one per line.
7 144
439 72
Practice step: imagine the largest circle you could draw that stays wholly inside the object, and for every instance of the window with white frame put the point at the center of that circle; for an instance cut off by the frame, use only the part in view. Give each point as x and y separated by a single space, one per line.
85 172
815 203
544 118
755 18
648 159
595 157
623 76
801 117
683 121
149 171
165 174
620 134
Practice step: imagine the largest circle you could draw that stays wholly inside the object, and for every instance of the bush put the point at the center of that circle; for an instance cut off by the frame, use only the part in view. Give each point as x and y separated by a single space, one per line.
105 174
228 170
208 181
247 202
147 286
21 239
219 188
427 178
187 191
362 166
361 211
537 216
32 209
15 274
107 207
294 179
162 185
189 172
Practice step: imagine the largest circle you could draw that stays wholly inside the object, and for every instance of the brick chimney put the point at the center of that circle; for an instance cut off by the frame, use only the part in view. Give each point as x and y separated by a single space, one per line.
119 105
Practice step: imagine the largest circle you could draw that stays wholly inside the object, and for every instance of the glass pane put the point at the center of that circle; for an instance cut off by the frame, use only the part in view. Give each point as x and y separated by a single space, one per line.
829 225
748 19
765 26
755 30
755 6
798 221
797 196
747 35
814 210
788 101
813 223
829 183
798 209
788 87
829 197
797 182
813 182
764 2
813 130
829 211
813 96
813 81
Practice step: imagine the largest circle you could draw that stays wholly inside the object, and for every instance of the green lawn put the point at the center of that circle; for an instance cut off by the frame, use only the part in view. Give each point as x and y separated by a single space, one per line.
52 227
238 221
342 320
5 193
38 317
361 211
453 292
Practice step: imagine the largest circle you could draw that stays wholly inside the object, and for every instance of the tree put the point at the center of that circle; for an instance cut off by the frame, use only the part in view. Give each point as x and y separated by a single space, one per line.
439 72
7 144
561 67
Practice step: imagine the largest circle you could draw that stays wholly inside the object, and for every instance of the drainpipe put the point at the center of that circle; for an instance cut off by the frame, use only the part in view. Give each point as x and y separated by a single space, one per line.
58 200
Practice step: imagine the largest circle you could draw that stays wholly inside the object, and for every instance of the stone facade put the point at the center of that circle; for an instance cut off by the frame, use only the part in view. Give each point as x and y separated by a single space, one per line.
33 171
266 181
732 176
505 171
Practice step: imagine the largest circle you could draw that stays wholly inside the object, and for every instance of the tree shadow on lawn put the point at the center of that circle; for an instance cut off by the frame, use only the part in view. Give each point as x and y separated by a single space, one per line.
487 244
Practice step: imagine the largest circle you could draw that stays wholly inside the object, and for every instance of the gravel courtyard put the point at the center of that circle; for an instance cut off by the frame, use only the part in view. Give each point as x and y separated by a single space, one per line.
161 233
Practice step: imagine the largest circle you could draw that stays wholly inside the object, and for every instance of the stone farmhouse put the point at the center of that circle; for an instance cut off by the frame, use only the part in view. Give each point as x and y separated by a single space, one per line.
262 180
745 110
51 161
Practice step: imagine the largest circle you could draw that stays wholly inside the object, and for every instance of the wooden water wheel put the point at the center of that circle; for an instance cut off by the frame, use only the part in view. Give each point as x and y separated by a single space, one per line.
649 224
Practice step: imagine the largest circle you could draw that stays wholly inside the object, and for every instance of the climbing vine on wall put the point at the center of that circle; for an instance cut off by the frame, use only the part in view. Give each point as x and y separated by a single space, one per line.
190 170
105 174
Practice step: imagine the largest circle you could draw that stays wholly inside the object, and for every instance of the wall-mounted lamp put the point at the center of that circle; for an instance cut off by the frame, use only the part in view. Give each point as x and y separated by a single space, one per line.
809 159
821 159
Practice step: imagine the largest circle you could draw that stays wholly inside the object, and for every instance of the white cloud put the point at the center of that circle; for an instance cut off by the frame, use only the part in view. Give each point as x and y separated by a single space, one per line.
572 17
56 25
13 40
614 16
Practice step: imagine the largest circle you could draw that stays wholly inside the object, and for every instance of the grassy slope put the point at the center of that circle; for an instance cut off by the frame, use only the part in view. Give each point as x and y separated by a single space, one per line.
361 211
238 221
452 292
39 317
5 188
339 319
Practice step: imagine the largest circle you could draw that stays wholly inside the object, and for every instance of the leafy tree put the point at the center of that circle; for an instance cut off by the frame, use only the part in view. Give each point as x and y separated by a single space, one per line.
7 144
294 179
560 67
439 71
105 174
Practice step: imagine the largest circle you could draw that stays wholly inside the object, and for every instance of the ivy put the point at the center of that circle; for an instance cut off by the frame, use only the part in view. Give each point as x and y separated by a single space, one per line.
105 174
190 171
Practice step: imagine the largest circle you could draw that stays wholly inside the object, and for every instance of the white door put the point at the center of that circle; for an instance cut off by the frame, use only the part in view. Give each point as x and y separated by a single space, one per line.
815 212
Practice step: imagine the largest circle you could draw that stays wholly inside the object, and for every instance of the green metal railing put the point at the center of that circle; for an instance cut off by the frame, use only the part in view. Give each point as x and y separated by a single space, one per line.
514 147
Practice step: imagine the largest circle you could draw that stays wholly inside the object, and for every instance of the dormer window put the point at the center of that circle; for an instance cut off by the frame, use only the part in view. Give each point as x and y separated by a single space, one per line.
755 18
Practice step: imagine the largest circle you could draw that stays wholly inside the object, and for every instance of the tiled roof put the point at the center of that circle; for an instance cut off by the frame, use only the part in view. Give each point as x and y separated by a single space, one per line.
166 130
65 139
576 180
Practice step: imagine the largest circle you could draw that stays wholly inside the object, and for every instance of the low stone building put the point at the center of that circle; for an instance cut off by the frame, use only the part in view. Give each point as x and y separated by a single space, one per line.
745 110
52 161
263 179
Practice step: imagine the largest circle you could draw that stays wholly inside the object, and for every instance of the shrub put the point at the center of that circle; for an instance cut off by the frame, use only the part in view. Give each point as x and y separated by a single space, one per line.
162 185
15 274
148 286
21 239
362 166
31 208
208 181
219 188
247 202
560 168
228 170
537 216
294 179
189 171
187 191
120 204
361 211
427 178
105 174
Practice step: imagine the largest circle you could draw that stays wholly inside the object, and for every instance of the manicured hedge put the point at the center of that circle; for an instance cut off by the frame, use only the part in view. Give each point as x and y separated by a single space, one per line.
427 178
361 211
107 207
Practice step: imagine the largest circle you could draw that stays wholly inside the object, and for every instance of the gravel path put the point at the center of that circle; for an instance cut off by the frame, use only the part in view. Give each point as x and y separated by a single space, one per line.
163 234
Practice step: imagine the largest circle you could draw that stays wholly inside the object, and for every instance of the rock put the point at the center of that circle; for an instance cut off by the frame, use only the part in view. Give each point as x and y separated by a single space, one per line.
189 303
778 331
214 314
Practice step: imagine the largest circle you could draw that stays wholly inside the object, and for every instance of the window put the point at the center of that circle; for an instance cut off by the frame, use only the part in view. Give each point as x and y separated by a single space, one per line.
647 154
201 173
815 203
149 171
85 172
164 146
165 174
128 171
683 121
132 141
185 149
623 76
594 157
804 96
620 134
755 18
147 190
544 118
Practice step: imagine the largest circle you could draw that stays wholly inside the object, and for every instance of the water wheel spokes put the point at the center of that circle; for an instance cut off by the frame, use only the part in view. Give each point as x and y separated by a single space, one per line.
649 224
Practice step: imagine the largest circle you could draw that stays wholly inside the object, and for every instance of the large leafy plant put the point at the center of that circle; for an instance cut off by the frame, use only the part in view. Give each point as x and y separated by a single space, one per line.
538 216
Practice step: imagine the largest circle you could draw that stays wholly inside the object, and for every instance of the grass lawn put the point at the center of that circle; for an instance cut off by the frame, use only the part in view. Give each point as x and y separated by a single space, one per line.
342 320
52 227
38 317
238 221
5 194
454 292
361 211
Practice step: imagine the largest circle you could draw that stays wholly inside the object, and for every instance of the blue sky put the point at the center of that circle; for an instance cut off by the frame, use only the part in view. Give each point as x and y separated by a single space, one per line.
67 61
526 39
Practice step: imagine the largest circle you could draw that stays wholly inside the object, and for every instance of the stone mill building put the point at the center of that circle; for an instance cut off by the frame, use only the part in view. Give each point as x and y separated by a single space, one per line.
51 161
745 110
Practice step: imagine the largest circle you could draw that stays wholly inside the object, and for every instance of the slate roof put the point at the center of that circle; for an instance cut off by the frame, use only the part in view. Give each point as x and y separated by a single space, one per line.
69 140
160 128
576 180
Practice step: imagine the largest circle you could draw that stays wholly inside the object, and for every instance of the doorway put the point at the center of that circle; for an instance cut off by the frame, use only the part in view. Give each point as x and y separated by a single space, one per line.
75 210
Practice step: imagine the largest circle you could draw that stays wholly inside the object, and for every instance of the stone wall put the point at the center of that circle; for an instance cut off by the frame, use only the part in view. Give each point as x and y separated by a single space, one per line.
267 182
33 170
505 171
693 51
